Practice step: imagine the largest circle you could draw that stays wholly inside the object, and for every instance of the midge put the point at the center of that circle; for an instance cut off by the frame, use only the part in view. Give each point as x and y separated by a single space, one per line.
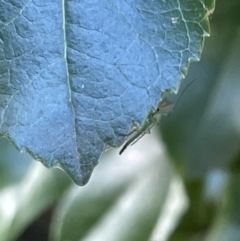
152 119
165 107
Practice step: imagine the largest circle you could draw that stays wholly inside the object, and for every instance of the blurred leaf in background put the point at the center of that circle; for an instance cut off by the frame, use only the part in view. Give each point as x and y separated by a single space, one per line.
202 134
184 188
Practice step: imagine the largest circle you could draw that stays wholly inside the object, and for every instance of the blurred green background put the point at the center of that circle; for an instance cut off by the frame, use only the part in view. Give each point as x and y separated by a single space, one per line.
180 183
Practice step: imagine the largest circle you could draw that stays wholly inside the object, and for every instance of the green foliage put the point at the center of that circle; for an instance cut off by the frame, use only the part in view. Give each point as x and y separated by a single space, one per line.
183 186
77 76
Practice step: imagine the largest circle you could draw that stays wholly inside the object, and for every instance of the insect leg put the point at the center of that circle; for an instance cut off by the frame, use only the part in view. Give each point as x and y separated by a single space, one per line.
136 137
129 134
147 131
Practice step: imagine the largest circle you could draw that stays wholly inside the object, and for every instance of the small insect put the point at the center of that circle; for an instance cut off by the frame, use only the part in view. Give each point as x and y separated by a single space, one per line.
152 119
165 107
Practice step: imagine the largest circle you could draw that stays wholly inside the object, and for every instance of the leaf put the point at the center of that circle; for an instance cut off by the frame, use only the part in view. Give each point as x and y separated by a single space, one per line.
22 202
10 171
207 133
225 226
77 75
144 205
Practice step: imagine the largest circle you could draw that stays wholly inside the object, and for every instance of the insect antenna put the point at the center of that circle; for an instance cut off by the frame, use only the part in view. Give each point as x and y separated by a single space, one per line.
182 94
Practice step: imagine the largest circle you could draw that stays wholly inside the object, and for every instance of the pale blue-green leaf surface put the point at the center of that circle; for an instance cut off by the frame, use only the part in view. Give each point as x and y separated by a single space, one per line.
77 75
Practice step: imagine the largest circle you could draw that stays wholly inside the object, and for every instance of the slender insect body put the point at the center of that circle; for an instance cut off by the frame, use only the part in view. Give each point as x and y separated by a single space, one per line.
165 107
152 119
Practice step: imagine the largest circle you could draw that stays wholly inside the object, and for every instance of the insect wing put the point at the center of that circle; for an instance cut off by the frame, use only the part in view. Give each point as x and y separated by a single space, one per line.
166 106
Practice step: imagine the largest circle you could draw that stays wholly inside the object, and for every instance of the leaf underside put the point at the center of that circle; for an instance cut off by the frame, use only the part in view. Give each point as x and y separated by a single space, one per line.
76 75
